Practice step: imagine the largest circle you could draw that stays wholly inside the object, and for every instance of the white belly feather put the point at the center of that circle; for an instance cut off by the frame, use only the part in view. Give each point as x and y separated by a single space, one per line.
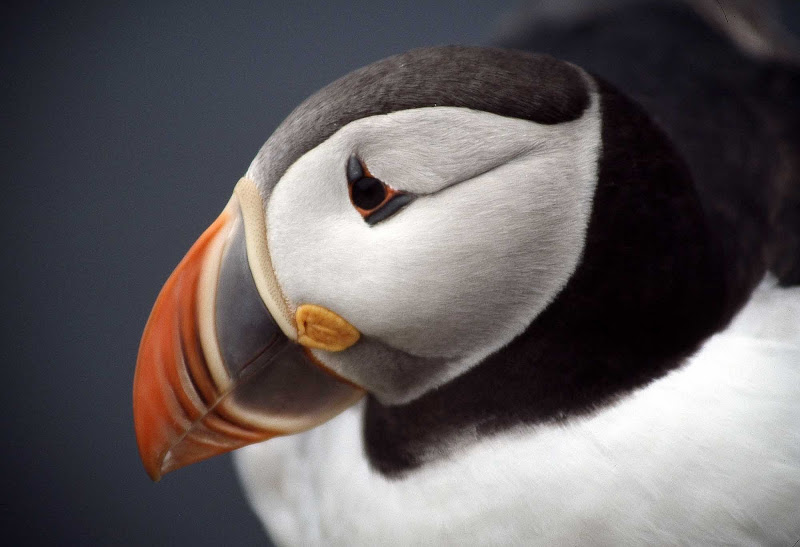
708 455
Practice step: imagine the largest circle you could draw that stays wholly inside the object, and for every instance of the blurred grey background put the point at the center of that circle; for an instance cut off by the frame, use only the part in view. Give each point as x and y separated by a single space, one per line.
125 127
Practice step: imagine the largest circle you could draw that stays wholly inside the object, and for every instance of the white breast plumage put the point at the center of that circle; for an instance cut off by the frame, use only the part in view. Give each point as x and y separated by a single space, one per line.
707 455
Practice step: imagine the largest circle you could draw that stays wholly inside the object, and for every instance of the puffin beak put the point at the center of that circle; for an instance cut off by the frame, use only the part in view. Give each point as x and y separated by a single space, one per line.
223 362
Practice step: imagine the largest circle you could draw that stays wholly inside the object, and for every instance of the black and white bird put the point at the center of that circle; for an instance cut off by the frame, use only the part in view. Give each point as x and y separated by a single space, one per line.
501 298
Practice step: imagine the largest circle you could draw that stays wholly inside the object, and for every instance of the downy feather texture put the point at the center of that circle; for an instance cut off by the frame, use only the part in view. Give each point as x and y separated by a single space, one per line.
707 455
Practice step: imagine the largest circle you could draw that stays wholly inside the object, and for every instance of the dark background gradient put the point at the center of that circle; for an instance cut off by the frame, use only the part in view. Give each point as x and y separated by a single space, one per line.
125 127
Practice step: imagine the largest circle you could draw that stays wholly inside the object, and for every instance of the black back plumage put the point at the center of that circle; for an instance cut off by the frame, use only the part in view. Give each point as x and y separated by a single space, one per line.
734 119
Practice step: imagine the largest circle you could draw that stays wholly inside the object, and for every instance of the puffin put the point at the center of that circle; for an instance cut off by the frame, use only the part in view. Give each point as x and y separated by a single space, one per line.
540 293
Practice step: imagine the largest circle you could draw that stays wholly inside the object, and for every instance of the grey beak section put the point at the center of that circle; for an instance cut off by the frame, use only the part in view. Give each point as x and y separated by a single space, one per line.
273 375
245 329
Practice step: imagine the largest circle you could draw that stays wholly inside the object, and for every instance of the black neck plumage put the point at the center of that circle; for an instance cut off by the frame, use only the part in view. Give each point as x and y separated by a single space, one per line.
648 290
681 231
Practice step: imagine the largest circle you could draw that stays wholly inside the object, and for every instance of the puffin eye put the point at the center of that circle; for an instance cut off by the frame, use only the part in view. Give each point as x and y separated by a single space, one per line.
367 193
374 200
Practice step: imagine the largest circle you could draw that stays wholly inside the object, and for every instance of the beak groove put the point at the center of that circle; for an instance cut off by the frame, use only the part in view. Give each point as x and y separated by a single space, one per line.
177 414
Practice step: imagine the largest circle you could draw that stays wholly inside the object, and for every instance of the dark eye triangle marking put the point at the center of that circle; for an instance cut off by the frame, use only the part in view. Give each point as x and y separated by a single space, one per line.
390 207
354 169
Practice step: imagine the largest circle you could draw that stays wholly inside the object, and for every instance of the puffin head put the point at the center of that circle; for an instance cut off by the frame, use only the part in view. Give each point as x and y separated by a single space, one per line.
400 227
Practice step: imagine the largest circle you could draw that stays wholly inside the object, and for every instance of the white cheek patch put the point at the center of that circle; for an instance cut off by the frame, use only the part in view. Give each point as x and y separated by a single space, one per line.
495 233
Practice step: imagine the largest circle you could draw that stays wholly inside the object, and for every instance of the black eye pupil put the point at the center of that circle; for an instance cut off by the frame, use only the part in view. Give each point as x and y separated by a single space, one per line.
367 193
